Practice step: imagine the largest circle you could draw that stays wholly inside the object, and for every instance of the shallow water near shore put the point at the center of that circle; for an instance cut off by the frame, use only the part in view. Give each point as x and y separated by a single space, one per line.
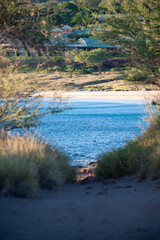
92 127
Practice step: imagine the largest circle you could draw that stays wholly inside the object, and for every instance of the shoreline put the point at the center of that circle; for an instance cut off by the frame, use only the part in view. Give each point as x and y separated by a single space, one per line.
106 95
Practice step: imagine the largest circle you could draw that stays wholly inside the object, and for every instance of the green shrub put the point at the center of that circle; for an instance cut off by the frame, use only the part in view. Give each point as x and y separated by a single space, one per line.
58 59
79 71
140 156
57 68
89 70
119 162
27 164
25 68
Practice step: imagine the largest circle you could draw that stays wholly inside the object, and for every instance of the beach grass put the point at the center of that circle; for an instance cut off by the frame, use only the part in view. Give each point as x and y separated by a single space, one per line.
27 164
140 156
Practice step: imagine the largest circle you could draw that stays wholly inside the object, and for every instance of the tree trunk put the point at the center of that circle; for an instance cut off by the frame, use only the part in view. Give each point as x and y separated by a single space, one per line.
71 71
28 54
16 53
39 53
82 66
100 69
6 53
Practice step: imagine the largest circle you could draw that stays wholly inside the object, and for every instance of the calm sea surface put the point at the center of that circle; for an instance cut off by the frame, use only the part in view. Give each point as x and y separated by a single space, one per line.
92 127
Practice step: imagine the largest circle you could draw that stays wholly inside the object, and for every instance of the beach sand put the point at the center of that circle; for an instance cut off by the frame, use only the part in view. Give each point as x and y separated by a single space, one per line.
121 209
118 95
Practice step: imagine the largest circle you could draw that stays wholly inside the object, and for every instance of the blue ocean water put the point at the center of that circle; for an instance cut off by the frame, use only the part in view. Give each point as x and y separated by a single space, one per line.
91 127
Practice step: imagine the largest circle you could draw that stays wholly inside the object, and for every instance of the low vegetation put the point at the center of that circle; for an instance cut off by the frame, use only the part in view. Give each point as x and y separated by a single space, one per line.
140 156
27 164
107 81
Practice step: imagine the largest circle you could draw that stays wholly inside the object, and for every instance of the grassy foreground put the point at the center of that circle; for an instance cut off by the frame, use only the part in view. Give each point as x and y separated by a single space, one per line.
27 164
140 156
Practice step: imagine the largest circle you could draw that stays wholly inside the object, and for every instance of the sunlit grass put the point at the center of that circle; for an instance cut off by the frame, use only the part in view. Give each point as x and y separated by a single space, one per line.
26 164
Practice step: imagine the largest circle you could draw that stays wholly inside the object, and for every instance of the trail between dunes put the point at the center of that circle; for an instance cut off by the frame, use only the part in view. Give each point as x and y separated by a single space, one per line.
107 210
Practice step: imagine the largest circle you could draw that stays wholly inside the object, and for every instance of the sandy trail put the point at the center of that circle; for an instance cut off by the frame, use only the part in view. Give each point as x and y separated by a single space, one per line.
111 210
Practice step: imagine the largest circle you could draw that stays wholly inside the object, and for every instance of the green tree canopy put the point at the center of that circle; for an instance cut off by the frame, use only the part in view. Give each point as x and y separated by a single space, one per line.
83 17
136 30
92 58
107 3
95 58
21 21
82 59
18 107
89 3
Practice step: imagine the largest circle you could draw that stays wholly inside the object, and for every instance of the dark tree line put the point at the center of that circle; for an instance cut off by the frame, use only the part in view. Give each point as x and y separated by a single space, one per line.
21 21
136 32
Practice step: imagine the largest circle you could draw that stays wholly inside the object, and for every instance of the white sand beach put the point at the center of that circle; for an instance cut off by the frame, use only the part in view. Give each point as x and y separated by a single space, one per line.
118 95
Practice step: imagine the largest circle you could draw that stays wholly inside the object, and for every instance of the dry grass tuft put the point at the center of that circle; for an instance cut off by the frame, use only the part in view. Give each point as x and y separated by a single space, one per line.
27 164
140 156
